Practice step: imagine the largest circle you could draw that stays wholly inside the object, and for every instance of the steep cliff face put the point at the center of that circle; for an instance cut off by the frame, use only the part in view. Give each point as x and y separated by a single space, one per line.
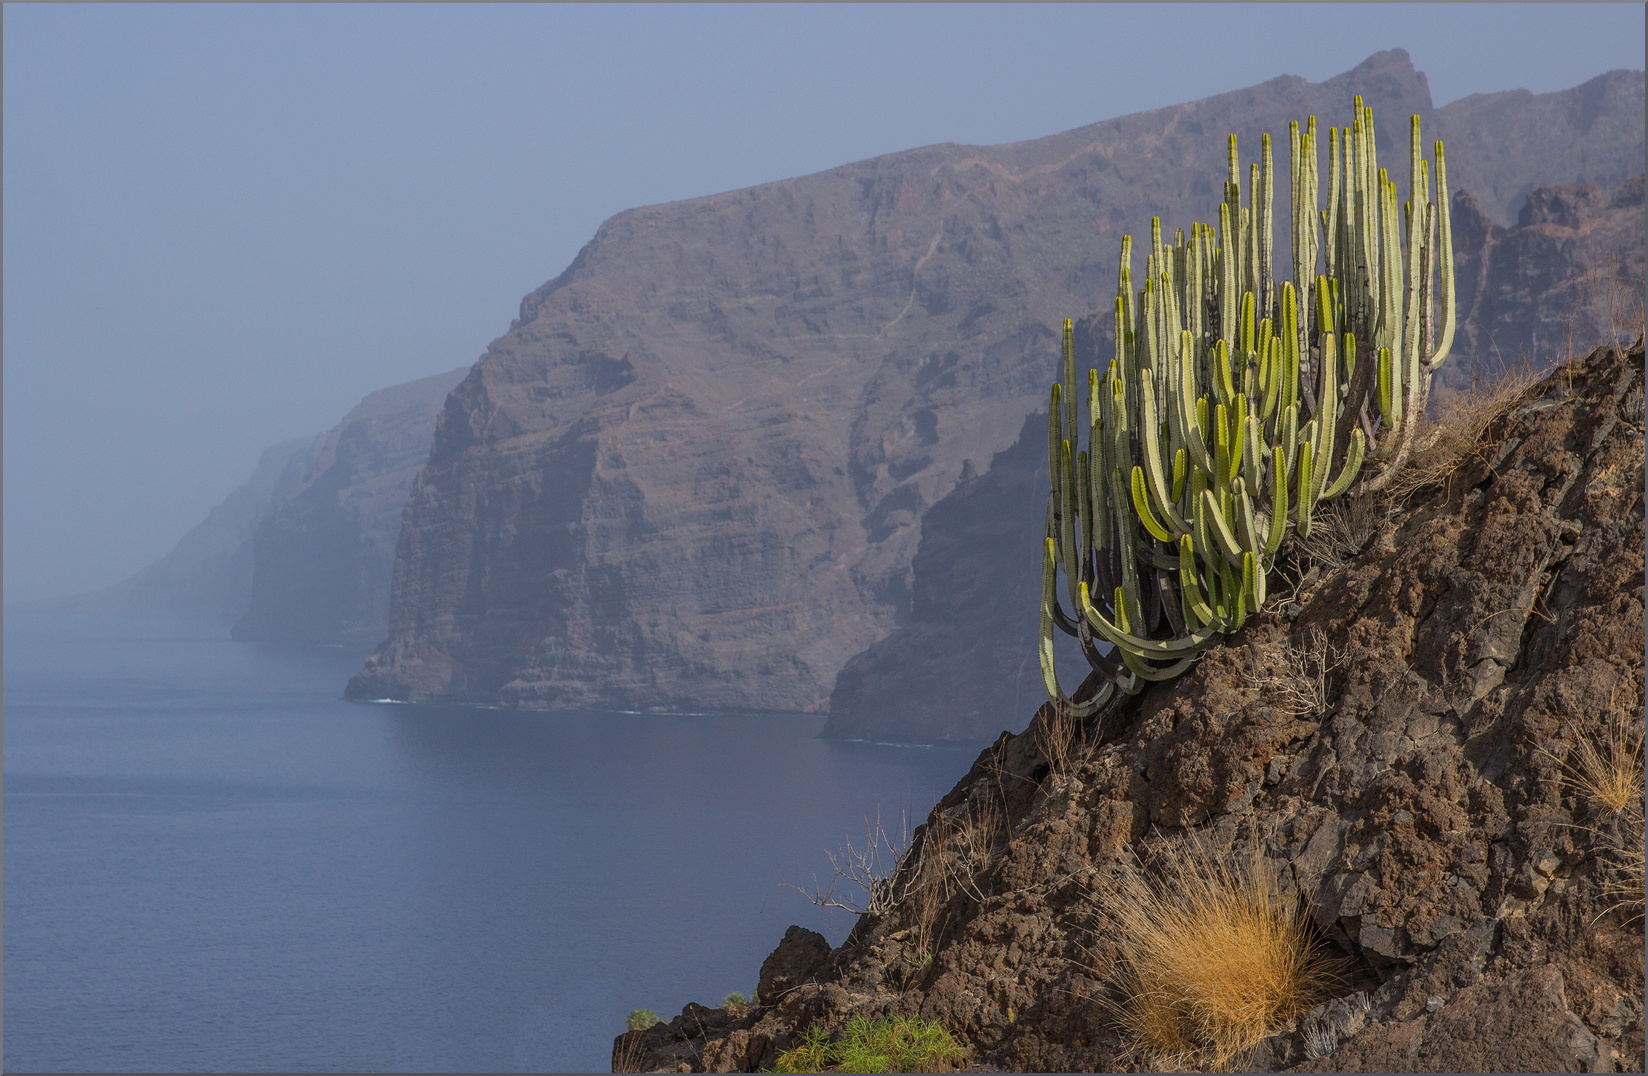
692 475
1418 782
208 574
1567 277
321 558
966 661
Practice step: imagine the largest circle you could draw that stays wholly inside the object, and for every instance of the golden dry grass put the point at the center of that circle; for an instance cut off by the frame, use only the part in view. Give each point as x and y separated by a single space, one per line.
1608 772
1056 734
1215 956
1453 436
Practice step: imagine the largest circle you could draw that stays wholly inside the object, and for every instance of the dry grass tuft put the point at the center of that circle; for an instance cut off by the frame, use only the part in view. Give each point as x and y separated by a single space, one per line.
626 1056
1056 734
1453 437
1608 773
1216 955
1297 681
1623 884
1343 528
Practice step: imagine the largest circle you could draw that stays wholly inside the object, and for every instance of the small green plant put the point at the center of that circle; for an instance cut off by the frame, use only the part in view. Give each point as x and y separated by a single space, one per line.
885 1044
641 1019
734 1000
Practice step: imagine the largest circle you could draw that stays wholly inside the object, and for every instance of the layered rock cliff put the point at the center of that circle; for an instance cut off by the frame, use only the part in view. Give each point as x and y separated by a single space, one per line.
321 558
693 473
1402 736
1567 277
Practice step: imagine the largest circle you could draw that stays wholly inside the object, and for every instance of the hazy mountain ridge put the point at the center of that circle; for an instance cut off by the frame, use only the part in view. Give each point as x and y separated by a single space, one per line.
302 551
208 574
323 556
692 474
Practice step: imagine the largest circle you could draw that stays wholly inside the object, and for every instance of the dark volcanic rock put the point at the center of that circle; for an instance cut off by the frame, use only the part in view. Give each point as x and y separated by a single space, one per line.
323 557
208 574
1427 813
798 956
693 473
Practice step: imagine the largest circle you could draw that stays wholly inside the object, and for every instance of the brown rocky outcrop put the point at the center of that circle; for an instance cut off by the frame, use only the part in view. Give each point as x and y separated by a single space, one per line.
1566 278
1427 814
692 474
322 557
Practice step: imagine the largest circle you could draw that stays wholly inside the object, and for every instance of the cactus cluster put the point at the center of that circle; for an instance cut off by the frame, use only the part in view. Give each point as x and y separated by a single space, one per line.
1235 403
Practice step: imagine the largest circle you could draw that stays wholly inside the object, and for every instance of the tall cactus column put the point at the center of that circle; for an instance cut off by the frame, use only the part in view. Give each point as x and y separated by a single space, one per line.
1234 404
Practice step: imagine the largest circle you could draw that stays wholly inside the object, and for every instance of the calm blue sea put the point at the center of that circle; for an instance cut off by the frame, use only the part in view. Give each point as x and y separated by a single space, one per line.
212 862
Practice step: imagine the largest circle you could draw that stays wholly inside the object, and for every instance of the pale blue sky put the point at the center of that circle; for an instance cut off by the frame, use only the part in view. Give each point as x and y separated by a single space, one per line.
223 225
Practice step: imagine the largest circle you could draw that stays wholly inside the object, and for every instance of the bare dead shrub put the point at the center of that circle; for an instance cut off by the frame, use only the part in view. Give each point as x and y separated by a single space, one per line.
970 838
1296 681
870 874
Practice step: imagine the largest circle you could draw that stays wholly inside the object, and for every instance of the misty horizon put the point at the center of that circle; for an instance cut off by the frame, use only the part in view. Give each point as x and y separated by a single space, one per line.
225 228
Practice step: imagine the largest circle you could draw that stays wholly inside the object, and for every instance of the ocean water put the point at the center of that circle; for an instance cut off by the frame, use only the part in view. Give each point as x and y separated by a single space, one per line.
212 862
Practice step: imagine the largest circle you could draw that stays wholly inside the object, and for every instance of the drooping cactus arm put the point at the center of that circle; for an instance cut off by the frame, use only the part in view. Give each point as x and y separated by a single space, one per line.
1044 649
1145 648
1144 671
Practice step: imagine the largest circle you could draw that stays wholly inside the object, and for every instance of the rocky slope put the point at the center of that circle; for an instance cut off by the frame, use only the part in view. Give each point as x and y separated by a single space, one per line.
322 557
1425 808
208 574
692 474
1567 277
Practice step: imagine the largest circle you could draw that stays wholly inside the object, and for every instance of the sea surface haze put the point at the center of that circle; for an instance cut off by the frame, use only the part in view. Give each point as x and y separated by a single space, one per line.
212 862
